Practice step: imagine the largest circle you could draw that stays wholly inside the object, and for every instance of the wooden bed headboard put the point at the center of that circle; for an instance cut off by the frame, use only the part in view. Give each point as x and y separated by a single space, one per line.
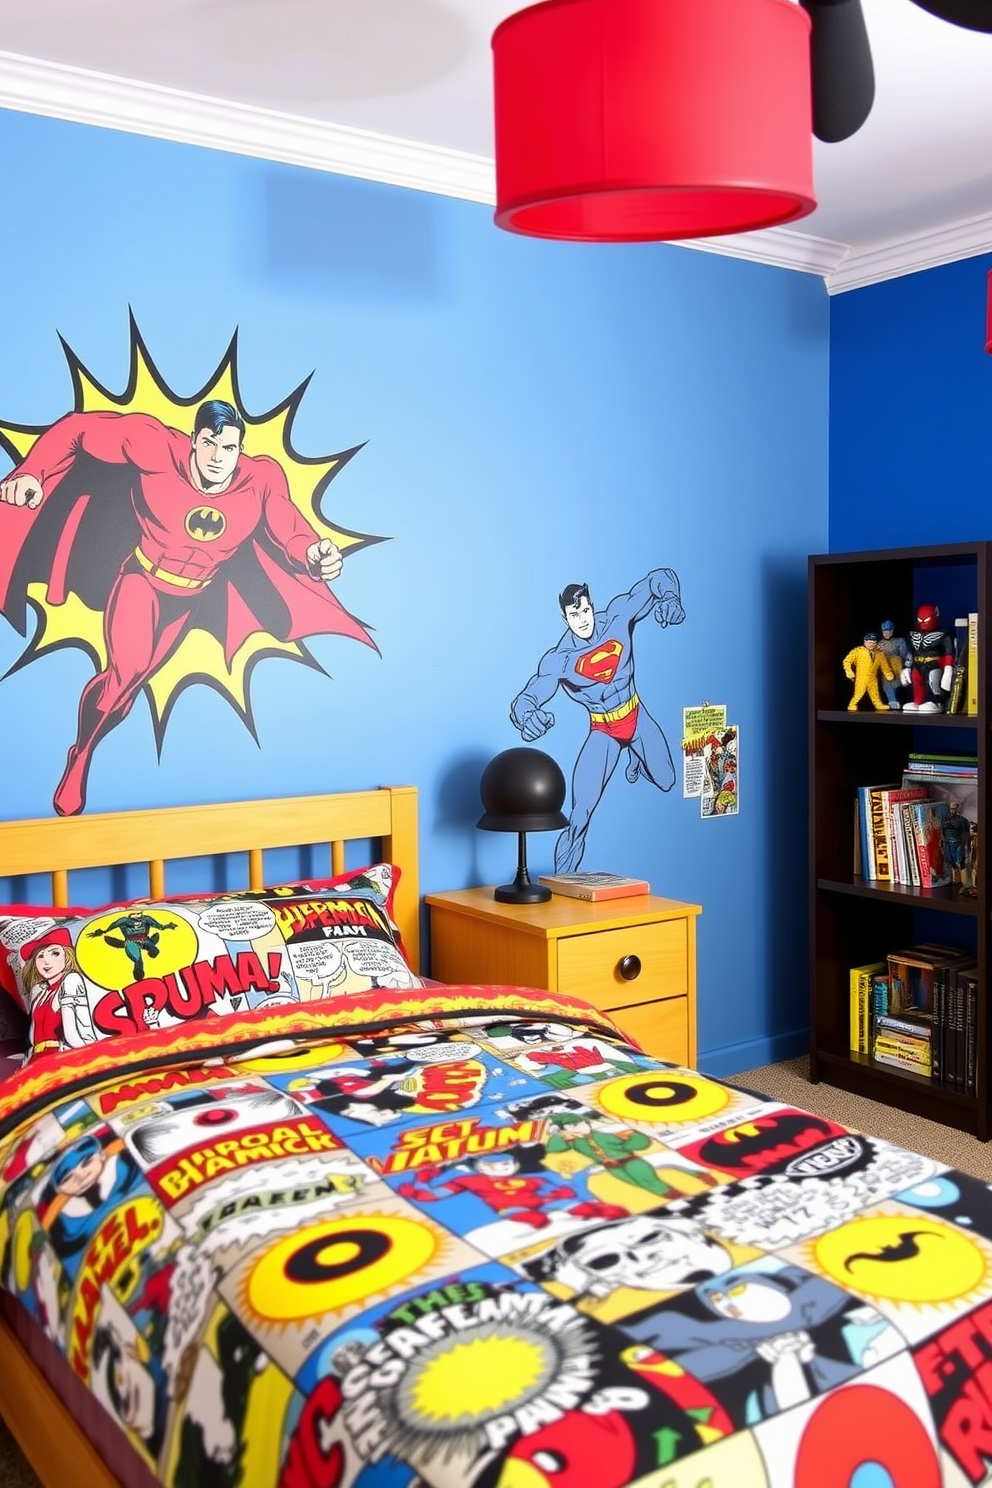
57 845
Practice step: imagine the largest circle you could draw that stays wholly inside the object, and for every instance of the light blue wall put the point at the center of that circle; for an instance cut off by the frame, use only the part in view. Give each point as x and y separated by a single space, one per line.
533 414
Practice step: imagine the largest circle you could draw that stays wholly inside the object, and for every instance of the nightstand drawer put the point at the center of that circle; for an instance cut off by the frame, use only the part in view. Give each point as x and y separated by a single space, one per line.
655 957
660 1028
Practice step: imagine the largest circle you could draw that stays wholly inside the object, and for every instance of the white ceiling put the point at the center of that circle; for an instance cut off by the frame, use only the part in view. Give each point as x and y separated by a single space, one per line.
400 90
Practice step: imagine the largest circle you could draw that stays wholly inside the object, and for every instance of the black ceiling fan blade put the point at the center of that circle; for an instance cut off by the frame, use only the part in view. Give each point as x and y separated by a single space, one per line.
974 15
843 76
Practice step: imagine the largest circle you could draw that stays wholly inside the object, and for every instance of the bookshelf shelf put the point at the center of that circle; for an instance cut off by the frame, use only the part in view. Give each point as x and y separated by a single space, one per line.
856 920
948 899
961 721
864 1069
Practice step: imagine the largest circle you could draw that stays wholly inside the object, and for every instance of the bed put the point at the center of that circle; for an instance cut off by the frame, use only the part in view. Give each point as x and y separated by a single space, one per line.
340 1225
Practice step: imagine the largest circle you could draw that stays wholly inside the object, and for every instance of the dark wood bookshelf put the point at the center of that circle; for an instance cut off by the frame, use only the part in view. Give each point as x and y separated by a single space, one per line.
855 920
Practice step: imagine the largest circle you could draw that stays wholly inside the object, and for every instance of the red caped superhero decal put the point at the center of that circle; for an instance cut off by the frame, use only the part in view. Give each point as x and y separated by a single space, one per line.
173 539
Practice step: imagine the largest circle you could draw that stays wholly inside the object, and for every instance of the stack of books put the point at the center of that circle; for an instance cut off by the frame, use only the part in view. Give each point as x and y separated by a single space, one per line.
901 828
906 1043
917 1011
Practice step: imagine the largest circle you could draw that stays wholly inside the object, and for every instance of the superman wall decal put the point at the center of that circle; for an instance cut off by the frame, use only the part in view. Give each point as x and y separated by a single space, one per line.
174 539
593 663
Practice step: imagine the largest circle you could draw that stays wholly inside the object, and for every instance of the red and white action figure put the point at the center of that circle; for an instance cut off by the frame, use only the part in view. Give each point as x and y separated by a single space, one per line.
931 663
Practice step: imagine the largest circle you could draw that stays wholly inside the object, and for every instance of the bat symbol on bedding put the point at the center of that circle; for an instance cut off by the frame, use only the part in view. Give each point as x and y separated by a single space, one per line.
905 1249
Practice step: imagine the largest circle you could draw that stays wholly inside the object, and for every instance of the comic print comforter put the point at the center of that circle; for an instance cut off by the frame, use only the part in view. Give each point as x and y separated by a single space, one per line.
471 1238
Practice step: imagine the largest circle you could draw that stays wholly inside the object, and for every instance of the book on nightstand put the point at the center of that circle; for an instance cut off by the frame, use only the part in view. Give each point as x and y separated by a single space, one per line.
594 885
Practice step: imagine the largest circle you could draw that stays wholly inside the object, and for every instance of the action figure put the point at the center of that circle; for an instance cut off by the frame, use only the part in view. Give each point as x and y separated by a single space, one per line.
931 662
862 666
955 842
897 650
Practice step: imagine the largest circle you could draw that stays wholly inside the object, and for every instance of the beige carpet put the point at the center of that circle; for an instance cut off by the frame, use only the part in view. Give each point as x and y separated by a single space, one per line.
786 1082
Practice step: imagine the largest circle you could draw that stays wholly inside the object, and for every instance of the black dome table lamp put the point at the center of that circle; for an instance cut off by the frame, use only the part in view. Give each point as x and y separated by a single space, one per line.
522 791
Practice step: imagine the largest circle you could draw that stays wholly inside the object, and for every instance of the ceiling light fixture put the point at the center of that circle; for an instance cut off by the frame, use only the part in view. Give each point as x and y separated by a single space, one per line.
629 120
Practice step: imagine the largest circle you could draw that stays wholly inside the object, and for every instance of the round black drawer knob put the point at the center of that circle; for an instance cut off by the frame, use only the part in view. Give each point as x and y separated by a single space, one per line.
629 967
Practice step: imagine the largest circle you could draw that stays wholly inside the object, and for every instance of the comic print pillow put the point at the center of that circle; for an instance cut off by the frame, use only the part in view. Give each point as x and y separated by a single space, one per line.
377 881
15 927
129 969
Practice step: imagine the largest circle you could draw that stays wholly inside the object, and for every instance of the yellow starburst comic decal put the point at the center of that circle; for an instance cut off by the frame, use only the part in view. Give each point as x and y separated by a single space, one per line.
63 576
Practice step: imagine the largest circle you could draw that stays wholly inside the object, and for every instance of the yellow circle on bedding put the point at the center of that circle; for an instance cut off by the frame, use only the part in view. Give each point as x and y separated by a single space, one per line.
902 1257
336 1262
129 945
283 1060
662 1097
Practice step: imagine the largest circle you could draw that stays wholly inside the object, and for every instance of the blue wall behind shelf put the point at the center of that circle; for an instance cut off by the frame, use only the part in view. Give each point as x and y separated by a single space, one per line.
911 411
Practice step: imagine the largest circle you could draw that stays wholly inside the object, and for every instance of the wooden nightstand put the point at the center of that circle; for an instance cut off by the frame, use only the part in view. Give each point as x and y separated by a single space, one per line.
633 958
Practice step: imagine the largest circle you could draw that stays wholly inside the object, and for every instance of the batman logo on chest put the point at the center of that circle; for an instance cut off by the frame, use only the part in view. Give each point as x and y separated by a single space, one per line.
205 523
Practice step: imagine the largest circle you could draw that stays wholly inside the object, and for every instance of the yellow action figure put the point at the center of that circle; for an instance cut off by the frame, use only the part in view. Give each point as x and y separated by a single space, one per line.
862 666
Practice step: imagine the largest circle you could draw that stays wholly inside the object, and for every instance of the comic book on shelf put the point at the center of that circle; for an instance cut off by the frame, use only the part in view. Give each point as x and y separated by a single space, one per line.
928 819
861 979
954 1026
970 978
909 839
875 846
911 975
880 843
896 842
957 796
958 699
953 765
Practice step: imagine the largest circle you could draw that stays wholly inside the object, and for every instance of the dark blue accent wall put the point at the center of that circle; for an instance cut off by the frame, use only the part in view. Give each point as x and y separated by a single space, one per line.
911 410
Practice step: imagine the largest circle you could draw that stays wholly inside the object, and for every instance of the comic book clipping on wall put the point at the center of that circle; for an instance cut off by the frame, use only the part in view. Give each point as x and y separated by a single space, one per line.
711 759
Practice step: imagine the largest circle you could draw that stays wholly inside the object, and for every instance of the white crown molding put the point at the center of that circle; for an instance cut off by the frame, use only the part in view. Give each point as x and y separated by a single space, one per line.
779 246
84 97
890 260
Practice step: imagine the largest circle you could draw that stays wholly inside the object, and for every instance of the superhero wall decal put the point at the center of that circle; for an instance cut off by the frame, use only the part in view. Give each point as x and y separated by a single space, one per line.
174 539
593 663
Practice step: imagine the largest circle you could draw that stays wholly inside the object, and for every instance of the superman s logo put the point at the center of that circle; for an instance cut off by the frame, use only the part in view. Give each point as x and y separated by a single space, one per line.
204 523
600 664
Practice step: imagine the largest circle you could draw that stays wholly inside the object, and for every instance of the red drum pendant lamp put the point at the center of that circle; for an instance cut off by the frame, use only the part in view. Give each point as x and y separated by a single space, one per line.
631 120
